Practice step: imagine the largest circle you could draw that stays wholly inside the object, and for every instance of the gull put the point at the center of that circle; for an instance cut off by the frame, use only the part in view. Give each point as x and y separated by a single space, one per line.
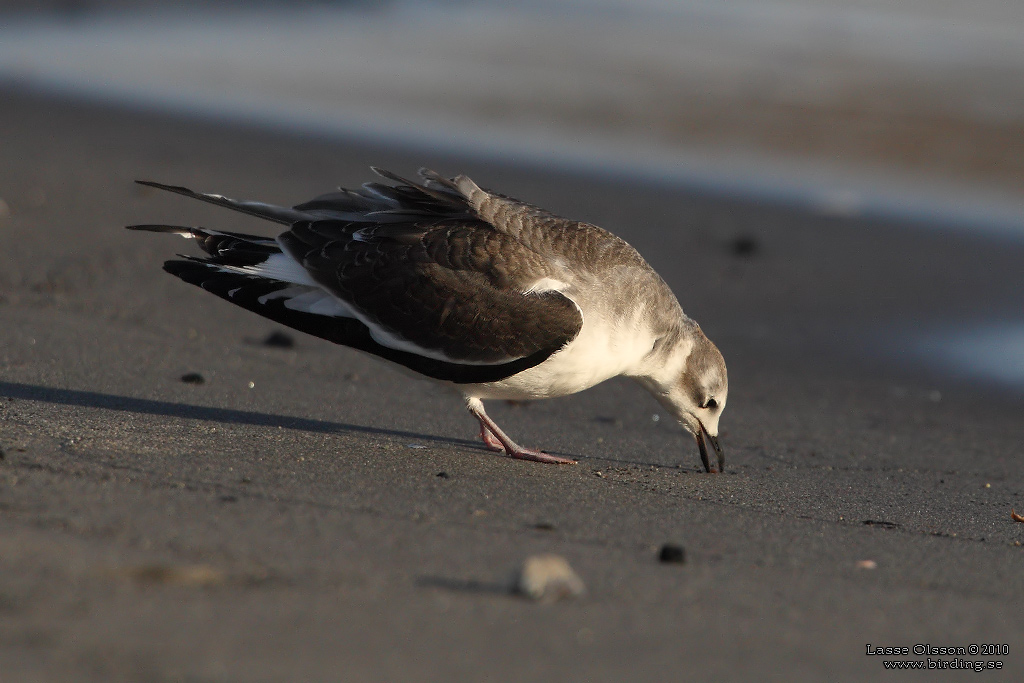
492 296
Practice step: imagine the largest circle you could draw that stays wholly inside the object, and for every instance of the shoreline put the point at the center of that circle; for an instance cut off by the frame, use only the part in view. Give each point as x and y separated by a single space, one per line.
751 176
880 140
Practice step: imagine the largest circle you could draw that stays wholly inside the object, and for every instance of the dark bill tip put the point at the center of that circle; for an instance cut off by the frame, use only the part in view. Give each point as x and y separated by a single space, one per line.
718 451
703 451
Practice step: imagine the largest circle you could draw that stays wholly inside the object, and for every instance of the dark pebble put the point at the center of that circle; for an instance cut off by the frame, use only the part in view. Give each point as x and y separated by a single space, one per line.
744 246
2 454
672 554
881 523
443 475
544 526
279 340
192 378
228 499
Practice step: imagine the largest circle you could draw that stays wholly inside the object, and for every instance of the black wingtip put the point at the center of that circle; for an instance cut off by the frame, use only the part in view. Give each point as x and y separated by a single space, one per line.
162 186
176 189
177 229
440 196
394 177
268 212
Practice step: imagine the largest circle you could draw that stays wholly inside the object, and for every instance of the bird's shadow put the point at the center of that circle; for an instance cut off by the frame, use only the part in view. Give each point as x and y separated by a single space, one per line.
94 399
145 406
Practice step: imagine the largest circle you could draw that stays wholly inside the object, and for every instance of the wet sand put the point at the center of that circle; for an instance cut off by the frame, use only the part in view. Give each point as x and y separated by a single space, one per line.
288 518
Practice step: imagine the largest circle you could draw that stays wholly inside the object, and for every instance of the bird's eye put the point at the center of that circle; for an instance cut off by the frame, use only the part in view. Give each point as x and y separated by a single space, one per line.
710 404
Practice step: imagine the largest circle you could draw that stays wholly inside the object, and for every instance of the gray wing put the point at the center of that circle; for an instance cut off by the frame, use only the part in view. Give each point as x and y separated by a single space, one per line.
415 274
427 275
450 288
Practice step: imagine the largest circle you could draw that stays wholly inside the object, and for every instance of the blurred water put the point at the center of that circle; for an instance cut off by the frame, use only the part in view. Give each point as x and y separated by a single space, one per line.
605 84
993 352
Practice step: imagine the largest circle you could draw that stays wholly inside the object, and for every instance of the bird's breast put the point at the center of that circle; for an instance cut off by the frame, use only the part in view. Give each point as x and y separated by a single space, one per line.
603 349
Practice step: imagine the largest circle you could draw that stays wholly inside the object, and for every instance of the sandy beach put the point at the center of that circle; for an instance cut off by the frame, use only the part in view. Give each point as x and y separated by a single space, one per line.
309 514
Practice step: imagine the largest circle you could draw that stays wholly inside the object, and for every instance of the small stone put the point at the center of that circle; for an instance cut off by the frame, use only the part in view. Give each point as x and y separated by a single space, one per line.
279 340
547 578
197 575
2 454
193 378
867 564
443 475
228 499
744 246
672 554
881 523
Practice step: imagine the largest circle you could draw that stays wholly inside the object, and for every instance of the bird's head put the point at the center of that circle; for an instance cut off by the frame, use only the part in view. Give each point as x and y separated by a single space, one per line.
694 389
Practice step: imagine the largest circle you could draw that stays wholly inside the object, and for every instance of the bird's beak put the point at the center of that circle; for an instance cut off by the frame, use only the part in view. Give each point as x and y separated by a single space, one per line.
704 450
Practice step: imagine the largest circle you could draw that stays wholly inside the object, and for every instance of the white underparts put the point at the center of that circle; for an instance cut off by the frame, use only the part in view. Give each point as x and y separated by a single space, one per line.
603 349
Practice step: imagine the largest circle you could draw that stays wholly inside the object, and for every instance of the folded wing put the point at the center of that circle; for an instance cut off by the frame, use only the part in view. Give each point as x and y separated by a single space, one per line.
409 273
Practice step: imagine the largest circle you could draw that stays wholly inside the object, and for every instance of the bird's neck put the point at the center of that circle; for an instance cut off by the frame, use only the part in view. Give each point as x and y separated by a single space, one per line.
662 365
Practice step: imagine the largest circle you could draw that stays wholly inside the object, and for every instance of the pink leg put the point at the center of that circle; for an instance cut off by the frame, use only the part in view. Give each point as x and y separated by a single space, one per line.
492 436
490 442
